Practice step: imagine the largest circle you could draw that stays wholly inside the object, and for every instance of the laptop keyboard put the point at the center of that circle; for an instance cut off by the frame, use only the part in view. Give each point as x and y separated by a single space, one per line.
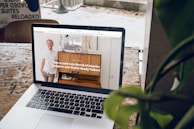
77 104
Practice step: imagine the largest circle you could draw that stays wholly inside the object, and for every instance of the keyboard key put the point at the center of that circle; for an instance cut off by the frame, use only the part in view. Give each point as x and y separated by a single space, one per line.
97 111
76 112
99 117
60 110
93 115
82 113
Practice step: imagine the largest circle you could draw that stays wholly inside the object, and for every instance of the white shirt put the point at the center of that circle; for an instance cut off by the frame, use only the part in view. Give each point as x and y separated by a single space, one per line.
50 57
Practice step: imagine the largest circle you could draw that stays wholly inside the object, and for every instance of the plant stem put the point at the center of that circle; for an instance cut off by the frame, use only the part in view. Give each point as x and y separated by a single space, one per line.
158 97
175 63
185 43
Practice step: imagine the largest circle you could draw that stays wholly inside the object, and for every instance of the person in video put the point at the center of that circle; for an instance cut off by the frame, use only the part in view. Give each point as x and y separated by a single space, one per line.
48 70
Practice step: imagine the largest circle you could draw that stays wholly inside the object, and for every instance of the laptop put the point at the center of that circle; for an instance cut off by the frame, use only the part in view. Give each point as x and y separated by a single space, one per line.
74 70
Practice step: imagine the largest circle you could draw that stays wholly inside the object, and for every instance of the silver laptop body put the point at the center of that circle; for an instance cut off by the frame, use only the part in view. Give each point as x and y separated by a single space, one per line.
72 66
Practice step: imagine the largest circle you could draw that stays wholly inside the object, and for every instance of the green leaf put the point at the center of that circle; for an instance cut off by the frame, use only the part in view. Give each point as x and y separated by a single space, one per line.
124 113
137 93
132 90
112 103
138 126
114 108
163 119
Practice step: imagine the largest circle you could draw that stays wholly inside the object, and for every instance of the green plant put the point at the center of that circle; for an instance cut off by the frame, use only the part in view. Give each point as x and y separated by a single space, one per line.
177 20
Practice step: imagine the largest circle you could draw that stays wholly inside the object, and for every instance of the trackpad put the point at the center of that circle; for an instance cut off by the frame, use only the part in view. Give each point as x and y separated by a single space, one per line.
54 122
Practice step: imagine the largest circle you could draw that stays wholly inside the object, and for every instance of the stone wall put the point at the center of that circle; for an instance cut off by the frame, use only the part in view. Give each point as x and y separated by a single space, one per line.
131 74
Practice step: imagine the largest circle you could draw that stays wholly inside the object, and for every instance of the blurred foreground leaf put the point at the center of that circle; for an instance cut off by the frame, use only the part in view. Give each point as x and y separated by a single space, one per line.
120 111
162 119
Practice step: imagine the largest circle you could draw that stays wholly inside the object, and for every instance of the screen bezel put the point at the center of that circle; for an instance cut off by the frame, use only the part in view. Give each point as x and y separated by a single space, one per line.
72 87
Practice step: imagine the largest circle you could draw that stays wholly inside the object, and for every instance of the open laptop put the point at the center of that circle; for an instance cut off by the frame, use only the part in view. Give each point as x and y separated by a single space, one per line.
74 70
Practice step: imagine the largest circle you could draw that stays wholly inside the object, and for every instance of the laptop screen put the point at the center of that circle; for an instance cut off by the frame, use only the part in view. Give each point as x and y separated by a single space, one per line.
78 57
